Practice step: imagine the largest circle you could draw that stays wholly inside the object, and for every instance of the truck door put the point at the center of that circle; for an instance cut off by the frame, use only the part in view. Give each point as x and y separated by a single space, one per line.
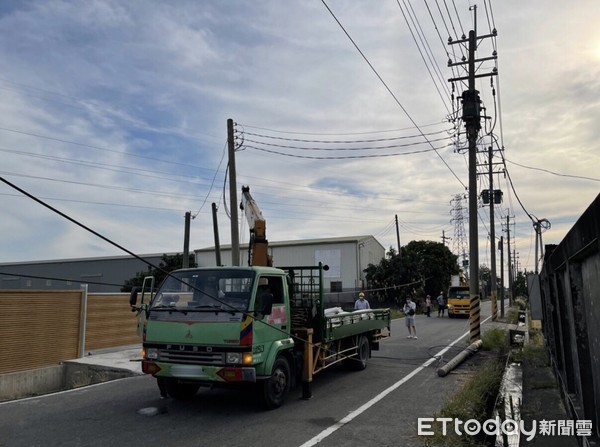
277 323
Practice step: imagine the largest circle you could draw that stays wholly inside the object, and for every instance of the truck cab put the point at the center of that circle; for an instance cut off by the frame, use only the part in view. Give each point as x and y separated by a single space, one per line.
459 301
204 327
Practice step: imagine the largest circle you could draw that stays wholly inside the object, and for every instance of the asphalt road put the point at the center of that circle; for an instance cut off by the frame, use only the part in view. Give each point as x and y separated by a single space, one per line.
379 406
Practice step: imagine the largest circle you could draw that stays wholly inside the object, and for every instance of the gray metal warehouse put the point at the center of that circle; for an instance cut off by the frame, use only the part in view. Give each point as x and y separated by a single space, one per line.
347 257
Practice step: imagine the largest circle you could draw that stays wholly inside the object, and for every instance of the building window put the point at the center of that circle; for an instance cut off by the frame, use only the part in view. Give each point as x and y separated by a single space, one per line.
336 286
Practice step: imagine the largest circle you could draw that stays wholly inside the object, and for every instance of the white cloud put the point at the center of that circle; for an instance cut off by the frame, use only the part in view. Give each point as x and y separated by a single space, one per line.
147 87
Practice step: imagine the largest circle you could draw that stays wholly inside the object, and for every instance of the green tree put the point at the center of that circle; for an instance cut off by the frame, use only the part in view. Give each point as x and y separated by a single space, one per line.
424 268
168 263
520 285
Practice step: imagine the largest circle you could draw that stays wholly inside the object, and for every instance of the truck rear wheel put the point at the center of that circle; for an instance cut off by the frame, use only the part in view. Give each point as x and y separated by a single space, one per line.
181 391
363 351
274 389
359 361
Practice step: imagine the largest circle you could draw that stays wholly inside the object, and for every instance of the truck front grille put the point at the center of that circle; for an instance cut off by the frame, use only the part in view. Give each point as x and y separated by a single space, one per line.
190 357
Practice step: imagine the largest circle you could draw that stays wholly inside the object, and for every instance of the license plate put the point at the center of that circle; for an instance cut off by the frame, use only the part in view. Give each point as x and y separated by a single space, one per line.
188 371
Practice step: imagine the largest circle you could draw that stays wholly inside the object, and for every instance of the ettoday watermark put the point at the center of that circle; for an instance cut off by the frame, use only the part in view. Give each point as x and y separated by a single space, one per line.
509 427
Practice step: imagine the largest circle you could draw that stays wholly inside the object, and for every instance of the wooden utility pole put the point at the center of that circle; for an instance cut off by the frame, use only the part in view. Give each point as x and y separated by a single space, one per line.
235 235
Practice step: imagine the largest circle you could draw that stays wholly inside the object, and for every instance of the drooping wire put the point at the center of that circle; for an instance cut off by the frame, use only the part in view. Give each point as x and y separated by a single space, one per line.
213 181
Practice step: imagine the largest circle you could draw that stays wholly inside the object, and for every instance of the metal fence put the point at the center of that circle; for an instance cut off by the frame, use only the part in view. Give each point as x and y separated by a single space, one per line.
570 302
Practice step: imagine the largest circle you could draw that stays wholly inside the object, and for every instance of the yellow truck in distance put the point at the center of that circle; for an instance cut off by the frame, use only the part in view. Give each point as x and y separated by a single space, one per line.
458 298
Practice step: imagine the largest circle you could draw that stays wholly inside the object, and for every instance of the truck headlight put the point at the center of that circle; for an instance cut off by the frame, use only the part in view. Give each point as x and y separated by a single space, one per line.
233 358
151 354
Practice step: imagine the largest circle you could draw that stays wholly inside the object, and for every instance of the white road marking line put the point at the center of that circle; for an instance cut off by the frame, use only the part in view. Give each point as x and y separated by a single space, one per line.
328 431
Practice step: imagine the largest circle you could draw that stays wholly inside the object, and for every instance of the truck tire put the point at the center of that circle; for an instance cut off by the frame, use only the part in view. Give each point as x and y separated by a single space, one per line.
359 362
364 351
181 391
274 389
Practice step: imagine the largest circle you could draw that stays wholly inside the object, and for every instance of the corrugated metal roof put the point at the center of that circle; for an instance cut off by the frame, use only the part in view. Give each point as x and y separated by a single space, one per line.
320 241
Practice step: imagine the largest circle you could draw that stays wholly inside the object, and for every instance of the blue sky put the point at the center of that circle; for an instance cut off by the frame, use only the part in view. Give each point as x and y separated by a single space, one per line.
115 113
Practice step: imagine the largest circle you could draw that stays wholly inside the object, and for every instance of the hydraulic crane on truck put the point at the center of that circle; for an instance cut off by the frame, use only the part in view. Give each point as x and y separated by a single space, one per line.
258 247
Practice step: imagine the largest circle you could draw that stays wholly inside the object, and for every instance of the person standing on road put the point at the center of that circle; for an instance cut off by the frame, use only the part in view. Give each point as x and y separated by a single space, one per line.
361 303
410 309
428 306
441 304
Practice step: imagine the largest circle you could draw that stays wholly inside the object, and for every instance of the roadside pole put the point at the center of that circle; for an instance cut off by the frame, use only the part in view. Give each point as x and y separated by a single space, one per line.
472 119
235 236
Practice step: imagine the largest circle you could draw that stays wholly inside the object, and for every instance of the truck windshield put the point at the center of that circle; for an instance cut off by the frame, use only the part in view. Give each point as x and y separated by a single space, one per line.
205 290
458 292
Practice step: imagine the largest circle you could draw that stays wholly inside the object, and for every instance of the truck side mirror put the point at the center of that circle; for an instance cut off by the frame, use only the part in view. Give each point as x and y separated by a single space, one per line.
267 304
133 297
264 306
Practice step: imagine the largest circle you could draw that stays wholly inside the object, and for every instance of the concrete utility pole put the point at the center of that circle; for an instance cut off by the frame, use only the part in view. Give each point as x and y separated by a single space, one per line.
445 238
186 241
398 238
235 235
216 234
472 120
510 274
471 117
494 289
501 248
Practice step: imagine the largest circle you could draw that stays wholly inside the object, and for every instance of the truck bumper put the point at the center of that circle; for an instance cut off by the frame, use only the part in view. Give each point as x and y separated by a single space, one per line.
201 373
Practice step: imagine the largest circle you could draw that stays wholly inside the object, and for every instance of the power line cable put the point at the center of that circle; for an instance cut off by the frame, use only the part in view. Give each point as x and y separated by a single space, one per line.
162 160
338 134
374 140
346 157
553 172
435 84
88 202
365 148
387 88
213 181
96 185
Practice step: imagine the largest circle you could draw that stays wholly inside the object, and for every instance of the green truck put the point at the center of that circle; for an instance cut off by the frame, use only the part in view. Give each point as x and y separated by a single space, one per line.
264 326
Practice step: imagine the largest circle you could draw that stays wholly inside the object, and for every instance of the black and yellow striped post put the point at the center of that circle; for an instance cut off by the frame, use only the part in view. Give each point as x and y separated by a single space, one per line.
475 318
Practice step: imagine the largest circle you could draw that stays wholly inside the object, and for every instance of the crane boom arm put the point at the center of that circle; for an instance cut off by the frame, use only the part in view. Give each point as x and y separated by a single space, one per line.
258 245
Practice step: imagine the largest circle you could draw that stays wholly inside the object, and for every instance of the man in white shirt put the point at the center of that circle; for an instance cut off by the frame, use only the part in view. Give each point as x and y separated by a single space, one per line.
410 309
361 303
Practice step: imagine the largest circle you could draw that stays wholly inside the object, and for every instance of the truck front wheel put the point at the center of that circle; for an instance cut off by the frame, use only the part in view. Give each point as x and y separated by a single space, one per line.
274 389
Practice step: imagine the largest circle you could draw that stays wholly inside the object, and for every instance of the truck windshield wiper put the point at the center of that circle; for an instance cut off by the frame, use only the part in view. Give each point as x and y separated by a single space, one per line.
213 308
170 309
